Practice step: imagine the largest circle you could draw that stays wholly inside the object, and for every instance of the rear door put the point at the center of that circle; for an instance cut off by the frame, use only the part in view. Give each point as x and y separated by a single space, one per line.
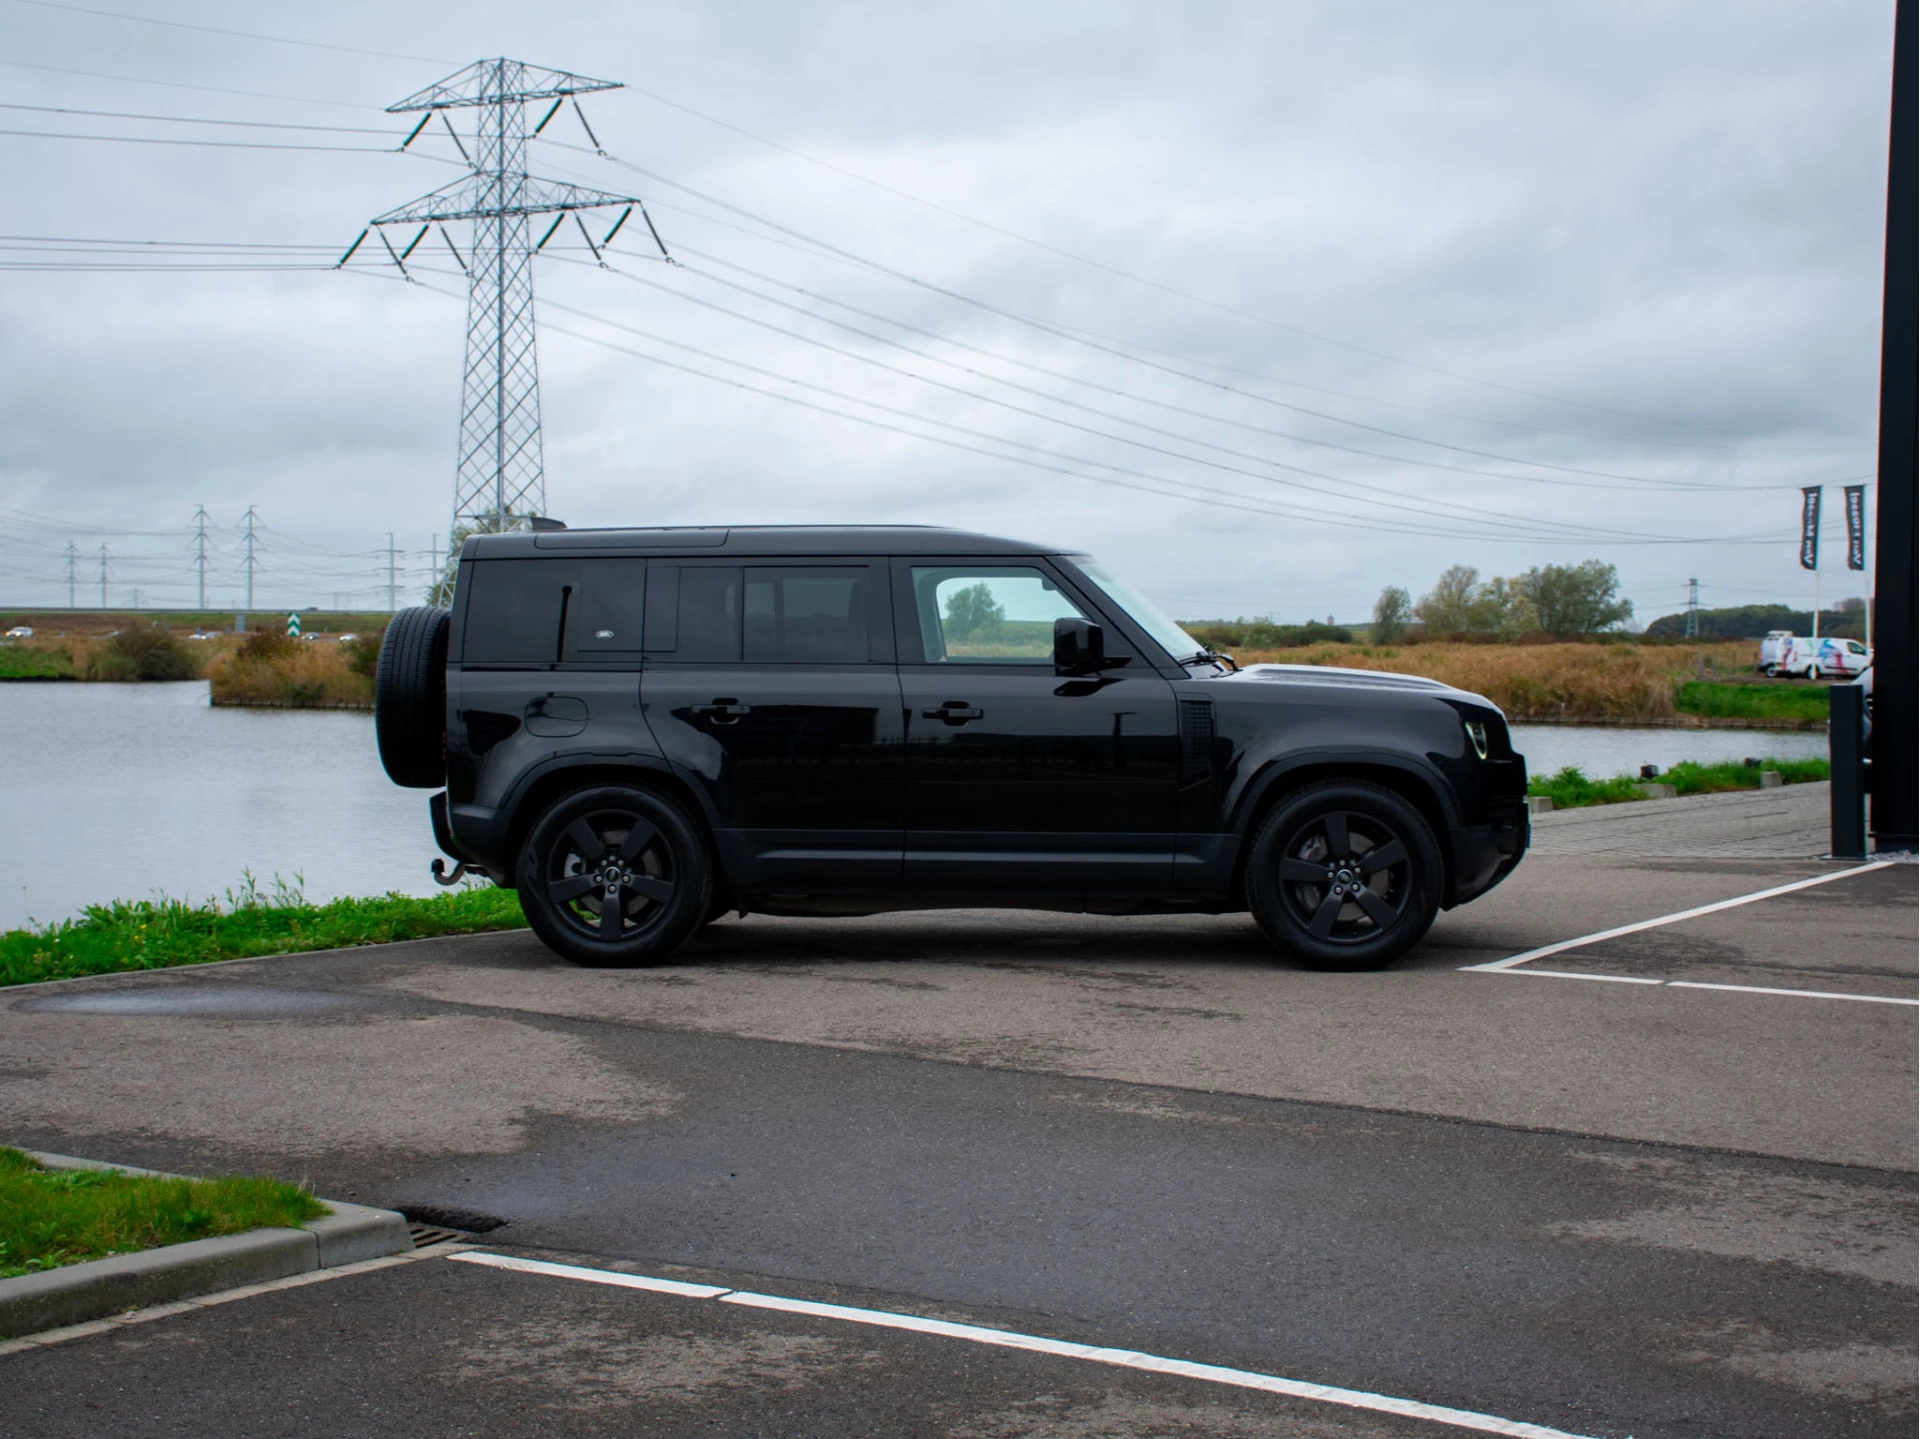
549 668
771 685
1019 778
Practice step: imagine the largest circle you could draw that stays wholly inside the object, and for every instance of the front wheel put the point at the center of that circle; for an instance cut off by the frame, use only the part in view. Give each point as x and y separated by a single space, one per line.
1344 876
614 877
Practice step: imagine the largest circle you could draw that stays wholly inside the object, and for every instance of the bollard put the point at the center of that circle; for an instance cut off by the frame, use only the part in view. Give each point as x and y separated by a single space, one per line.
1846 749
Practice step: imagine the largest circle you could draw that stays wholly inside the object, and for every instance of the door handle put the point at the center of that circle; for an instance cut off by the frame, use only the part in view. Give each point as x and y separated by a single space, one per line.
723 711
954 712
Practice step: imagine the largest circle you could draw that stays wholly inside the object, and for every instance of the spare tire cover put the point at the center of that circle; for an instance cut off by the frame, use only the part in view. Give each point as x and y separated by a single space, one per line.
410 698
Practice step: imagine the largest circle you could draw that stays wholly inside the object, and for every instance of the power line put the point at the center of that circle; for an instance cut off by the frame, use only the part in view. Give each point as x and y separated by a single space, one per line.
216 144
194 119
1463 511
185 85
1051 329
1229 309
1629 482
234 34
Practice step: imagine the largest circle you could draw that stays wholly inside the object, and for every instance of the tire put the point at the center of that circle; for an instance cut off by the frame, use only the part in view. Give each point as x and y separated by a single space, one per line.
1773 672
632 843
410 698
1344 917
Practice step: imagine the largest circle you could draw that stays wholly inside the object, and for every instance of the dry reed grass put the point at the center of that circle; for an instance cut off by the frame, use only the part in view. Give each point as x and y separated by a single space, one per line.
1535 682
270 670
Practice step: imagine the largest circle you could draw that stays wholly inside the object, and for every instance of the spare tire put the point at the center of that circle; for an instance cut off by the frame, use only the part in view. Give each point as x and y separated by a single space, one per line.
410 698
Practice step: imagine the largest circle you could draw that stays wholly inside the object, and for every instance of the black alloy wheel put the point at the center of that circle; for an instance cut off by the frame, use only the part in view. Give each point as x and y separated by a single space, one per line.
614 876
1344 876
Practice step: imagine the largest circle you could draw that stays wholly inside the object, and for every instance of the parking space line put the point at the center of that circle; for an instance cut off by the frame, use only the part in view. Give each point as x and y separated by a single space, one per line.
1550 949
1039 1344
1696 984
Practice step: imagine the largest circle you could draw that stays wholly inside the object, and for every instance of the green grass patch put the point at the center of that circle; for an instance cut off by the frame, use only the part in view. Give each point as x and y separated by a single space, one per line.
50 1217
161 933
1690 778
1773 700
20 663
1570 788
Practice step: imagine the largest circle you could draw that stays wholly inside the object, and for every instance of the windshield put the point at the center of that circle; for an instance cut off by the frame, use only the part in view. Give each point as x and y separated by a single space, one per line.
1143 611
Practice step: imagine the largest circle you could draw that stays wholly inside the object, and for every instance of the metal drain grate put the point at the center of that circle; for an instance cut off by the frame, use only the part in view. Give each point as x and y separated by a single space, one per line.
425 1234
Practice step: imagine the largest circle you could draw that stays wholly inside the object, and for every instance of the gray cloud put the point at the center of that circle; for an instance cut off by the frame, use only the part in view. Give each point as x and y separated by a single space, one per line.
1669 214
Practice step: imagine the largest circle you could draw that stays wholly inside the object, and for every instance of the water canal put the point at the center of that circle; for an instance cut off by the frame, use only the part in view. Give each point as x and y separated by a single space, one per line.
121 791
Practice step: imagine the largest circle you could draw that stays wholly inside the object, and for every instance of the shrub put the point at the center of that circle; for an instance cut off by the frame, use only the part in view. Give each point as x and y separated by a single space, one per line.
363 651
148 652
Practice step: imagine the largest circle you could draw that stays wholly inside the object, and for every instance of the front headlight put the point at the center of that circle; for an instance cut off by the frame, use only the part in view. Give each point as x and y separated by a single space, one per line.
1477 735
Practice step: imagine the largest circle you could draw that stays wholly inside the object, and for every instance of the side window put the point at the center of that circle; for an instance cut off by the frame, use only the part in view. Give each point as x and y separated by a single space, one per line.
807 616
604 613
988 614
709 614
516 611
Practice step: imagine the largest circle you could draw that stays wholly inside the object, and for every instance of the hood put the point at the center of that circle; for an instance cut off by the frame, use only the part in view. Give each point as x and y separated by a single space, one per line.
1335 675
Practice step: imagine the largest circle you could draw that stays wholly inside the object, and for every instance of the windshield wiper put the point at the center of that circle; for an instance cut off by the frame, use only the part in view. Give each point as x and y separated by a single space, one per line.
1211 657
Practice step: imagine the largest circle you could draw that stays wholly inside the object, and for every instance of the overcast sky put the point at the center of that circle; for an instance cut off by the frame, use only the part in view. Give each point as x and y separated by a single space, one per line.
1329 296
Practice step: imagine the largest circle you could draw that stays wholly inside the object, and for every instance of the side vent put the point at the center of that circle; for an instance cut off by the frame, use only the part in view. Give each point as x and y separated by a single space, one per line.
1196 740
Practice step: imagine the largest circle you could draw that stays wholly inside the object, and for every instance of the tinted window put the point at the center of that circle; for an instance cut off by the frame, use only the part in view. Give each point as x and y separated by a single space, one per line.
603 616
807 616
514 610
988 614
709 613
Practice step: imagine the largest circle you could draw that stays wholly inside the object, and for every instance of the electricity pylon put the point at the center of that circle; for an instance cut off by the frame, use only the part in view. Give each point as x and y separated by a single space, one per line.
499 481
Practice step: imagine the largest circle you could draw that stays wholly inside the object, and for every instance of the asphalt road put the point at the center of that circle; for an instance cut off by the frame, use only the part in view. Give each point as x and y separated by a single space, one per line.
1602 1206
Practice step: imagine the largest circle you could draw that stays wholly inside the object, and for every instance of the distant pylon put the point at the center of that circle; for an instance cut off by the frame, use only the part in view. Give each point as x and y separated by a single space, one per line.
1693 608
499 479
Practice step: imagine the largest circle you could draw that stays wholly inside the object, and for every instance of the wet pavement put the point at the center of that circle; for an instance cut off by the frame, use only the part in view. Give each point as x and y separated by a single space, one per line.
1572 1199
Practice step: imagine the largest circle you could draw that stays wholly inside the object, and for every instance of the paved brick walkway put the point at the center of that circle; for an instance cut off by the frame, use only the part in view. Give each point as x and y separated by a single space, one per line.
1787 823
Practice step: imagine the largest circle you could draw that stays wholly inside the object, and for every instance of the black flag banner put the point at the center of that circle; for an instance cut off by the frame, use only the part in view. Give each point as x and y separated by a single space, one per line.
1856 527
1810 528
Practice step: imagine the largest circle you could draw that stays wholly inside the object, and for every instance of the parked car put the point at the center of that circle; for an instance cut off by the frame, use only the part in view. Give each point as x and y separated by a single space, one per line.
640 730
20 632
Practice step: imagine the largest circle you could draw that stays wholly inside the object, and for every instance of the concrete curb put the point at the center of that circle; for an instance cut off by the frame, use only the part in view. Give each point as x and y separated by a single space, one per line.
76 1293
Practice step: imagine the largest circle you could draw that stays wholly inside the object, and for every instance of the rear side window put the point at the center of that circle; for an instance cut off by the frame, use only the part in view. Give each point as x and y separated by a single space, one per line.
807 615
605 610
515 610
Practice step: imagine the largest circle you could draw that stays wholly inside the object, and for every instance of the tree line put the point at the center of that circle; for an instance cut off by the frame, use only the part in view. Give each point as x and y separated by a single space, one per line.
1580 599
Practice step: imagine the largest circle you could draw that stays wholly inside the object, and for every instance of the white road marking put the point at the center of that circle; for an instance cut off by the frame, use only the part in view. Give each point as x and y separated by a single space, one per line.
1715 908
1034 1343
1697 984
597 1276
1796 993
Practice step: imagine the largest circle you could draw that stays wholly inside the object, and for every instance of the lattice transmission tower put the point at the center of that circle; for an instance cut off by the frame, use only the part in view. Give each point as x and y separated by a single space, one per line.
500 480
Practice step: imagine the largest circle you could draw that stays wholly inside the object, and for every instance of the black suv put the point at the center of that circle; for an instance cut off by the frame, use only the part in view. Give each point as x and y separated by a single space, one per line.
640 730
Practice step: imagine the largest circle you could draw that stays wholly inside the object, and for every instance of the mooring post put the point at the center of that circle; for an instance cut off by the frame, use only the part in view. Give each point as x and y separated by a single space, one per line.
1846 750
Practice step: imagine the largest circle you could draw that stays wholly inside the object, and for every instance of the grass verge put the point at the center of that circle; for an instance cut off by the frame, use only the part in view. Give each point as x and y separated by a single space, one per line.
19 662
161 933
1569 788
1752 701
51 1217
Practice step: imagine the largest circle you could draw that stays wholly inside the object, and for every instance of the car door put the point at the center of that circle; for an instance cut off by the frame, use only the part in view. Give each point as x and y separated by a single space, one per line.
770 684
549 670
1019 778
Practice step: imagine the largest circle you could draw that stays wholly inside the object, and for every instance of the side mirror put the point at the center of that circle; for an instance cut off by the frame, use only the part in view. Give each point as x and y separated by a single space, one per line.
1079 646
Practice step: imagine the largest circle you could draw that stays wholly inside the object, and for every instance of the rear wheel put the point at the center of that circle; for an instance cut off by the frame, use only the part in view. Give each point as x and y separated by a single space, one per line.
1773 672
614 877
1344 876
